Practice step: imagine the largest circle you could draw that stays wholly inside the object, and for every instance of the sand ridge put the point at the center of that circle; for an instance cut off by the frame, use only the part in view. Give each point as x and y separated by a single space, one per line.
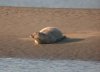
81 26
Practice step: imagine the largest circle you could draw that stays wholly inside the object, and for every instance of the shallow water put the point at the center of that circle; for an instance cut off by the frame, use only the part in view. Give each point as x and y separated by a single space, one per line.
52 3
44 65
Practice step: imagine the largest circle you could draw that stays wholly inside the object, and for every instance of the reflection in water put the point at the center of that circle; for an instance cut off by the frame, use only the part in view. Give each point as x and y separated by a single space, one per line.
42 65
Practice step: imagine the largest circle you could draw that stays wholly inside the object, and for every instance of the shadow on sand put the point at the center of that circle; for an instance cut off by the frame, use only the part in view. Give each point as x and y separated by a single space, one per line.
69 40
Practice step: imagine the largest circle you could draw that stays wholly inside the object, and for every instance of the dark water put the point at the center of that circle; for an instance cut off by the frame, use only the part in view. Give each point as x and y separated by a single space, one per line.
52 3
42 65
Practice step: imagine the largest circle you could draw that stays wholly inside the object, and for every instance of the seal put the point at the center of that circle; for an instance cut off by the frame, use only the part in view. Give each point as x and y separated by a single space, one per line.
47 35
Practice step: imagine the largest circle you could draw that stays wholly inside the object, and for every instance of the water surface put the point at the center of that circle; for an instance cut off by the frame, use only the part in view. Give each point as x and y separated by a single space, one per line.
52 3
44 65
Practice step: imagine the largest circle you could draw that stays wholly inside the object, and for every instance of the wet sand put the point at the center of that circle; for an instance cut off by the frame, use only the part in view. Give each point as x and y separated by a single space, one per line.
81 26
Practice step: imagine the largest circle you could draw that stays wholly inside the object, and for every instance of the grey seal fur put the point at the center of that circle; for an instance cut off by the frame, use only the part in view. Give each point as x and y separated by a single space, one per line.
47 35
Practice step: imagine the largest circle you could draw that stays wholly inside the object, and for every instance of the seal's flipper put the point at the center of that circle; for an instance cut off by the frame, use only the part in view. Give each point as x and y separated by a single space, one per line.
60 39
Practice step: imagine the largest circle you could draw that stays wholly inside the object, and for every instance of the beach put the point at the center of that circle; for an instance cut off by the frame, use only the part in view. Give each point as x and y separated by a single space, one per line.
81 27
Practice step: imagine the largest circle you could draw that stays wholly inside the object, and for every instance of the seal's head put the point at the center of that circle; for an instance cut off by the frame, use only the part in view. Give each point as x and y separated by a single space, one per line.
38 37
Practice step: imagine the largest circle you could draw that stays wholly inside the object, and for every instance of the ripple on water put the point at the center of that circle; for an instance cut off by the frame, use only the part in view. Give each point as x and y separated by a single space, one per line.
44 65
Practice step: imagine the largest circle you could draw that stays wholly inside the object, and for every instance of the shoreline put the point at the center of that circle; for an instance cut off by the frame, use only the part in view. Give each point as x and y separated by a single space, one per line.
50 8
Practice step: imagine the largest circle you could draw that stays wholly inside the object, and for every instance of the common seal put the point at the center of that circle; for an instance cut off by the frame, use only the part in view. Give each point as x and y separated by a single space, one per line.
47 35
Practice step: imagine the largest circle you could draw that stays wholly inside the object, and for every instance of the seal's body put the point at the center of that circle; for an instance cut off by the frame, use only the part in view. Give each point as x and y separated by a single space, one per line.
47 35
